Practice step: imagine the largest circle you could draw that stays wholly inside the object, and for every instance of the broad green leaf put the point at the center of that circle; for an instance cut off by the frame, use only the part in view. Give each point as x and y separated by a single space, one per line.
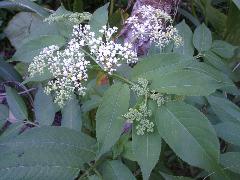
25 26
39 77
189 16
231 161
233 29
171 177
109 119
229 131
187 35
12 131
115 170
159 63
189 133
94 177
72 115
32 48
91 104
217 62
45 153
25 5
225 109
237 3
78 6
16 104
220 80
216 18
202 38
146 150
223 49
8 73
128 151
44 108
176 74
99 19
4 112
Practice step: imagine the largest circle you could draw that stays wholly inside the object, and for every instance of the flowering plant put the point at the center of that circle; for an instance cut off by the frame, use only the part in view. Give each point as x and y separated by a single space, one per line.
125 101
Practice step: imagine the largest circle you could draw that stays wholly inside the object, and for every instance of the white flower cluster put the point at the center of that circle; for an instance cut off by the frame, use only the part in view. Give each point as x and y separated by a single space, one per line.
68 68
154 24
141 116
107 53
75 18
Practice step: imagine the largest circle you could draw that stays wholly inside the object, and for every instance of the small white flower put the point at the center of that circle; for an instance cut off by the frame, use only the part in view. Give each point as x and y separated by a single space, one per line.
153 24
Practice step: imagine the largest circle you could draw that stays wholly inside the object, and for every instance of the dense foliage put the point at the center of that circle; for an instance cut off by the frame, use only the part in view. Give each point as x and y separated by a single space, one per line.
81 99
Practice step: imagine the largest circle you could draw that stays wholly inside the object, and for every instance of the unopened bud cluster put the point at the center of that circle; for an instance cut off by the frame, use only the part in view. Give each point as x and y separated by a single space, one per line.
141 116
74 18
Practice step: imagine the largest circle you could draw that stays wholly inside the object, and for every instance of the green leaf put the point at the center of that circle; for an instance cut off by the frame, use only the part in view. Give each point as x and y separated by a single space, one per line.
44 108
146 150
12 131
128 151
45 153
170 177
223 49
32 48
78 6
109 120
231 161
187 35
115 170
31 27
229 131
189 16
4 112
159 63
16 104
237 3
25 5
176 74
202 38
224 109
91 104
233 28
219 79
72 115
99 19
39 77
217 62
8 73
189 133
94 177
216 18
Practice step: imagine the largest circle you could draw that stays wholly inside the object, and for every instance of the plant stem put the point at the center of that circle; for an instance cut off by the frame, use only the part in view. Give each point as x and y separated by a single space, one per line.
122 79
88 54
91 168
111 7
31 123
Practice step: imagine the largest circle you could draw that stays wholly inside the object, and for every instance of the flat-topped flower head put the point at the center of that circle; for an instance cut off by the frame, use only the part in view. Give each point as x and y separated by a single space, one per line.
68 68
153 24
110 54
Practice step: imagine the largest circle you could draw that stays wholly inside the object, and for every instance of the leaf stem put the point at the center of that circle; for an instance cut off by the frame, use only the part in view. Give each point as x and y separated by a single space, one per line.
121 78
